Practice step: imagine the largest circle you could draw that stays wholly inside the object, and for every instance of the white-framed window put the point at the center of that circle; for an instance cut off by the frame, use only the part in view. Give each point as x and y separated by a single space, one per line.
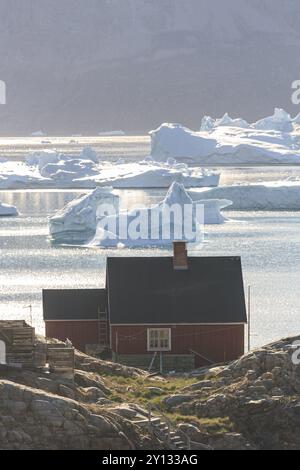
159 339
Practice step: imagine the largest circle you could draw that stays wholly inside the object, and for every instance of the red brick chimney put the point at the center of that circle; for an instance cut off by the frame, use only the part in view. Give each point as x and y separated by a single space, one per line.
180 257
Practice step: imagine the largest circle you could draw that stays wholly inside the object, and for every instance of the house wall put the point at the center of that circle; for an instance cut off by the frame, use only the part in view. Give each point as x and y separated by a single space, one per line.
218 343
80 333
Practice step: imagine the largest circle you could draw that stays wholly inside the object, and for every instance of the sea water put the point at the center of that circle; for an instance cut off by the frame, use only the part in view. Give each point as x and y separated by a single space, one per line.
268 242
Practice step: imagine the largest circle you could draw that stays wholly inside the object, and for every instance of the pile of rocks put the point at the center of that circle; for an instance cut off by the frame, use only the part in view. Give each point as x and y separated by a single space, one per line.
259 394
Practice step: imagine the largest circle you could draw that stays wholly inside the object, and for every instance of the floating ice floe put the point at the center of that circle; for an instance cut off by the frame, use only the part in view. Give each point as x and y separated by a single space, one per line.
19 175
154 226
49 169
267 196
8 211
38 134
151 174
77 221
111 133
224 145
280 121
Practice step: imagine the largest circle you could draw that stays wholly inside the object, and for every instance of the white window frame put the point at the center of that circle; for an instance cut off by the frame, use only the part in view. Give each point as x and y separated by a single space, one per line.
153 349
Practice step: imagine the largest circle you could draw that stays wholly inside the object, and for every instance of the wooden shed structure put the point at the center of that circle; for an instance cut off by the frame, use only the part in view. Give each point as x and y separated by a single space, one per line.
19 348
180 312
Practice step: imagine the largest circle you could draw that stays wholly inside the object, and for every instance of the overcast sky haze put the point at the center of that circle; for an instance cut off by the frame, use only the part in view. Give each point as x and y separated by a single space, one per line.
82 66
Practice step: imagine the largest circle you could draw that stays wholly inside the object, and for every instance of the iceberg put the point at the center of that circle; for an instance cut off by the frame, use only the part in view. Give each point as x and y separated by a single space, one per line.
49 169
280 121
224 145
63 169
8 211
19 175
178 142
77 221
150 174
208 123
212 210
266 196
296 119
154 227
112 133
226 120
38 134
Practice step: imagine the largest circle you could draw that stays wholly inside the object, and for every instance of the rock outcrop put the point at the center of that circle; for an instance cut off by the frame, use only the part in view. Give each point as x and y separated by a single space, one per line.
252 403
39 410
258 395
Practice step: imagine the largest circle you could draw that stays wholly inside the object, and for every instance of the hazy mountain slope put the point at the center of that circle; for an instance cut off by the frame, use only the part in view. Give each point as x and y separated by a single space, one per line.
86 65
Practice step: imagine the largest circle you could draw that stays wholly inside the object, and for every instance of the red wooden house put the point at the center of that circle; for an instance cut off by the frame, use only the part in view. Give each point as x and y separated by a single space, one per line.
171 313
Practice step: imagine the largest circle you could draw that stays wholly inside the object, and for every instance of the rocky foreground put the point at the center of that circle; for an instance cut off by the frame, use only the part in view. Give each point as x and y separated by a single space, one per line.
252 403
257 397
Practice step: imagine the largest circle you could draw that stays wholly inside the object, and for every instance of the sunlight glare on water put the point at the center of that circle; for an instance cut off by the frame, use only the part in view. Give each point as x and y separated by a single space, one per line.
269 243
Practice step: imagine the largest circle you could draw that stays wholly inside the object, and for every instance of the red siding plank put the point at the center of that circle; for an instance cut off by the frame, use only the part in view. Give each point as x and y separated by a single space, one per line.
219 343
80 333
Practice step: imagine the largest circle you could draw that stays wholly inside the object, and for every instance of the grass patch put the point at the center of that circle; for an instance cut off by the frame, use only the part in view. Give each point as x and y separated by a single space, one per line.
216 426
136 390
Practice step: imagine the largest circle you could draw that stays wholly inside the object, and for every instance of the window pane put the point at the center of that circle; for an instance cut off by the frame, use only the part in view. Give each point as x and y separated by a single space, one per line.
159 339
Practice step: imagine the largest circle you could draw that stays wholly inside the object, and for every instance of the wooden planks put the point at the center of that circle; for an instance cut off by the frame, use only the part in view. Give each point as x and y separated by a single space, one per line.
22 349
60 358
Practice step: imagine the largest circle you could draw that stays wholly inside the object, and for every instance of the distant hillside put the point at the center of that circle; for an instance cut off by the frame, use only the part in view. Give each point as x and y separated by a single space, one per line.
81 66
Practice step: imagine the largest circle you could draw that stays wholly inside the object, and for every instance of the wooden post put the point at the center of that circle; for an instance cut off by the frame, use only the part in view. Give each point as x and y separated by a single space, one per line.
30 313
161 362
117 343
249 318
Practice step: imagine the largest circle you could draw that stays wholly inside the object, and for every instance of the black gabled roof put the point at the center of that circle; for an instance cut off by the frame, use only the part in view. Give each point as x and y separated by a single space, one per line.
74 304
149 291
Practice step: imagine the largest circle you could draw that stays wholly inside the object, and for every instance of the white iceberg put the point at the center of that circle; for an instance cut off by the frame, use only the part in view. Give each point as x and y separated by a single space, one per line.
296 119
41 159
208 123
63 169
226 120
77 221
7 210
145 227
224 145
178 142
150 174
38 134
112 133
19 175
88 153
49 169
280 121
267 196
212 210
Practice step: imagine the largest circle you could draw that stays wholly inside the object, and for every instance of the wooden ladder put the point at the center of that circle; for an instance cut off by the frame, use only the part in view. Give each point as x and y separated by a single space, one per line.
102 328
